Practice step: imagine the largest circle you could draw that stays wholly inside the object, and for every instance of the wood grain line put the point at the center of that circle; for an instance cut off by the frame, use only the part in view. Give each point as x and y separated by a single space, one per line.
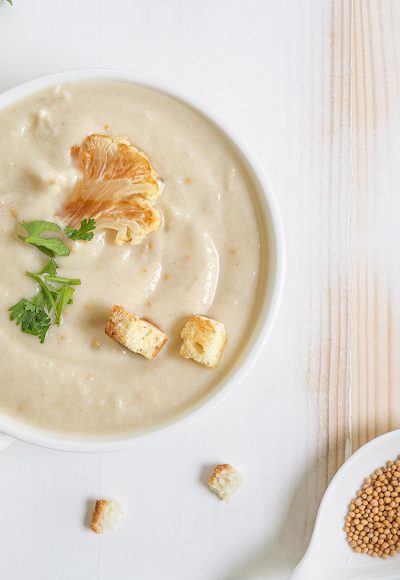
383 59
393 47
389 351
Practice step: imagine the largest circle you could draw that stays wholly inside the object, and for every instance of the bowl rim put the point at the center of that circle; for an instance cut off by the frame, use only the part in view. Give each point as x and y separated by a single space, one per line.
271 213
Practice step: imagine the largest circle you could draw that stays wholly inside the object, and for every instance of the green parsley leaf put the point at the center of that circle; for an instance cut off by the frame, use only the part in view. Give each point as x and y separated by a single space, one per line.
66 281
50 294
31 317
49 246
84 232
36 229
64 298
39 299
55 291
49 268
53 245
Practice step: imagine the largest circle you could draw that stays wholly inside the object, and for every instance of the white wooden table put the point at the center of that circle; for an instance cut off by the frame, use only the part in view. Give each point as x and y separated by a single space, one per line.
313 87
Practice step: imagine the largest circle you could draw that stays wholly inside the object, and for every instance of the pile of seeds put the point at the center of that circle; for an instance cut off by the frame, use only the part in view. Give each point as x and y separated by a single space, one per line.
372 523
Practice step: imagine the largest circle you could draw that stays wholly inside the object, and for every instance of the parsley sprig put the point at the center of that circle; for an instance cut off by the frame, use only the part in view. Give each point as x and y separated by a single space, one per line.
32 318
54 293
36 315
52 246
84 232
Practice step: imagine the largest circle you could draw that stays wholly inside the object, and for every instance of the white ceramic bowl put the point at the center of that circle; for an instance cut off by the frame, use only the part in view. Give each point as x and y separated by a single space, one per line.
272 240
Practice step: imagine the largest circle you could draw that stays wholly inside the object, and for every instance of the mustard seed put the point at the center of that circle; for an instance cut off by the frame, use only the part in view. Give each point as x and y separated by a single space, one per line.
373 519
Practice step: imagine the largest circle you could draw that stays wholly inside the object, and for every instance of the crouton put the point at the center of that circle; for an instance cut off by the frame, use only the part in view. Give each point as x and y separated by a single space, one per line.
137 334
225 481
204 340
106 516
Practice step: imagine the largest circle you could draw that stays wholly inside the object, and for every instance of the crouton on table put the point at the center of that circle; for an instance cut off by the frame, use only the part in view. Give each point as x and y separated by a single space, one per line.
225 481
106 516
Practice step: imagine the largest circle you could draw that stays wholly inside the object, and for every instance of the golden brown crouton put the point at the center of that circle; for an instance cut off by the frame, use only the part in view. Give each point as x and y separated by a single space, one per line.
204 340
225 481
137 334
106 516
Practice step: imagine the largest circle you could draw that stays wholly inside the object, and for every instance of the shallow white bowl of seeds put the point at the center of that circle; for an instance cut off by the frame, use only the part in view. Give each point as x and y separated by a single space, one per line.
329 556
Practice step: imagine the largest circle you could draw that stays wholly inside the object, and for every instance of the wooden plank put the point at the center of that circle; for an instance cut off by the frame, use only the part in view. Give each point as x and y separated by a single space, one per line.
375 234
328 367
353 366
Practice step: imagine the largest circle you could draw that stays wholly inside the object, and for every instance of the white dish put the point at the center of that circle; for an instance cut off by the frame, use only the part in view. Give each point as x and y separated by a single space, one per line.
274 241
329 556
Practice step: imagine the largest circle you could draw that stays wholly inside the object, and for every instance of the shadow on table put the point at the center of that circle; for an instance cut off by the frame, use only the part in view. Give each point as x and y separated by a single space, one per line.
87 518
292 539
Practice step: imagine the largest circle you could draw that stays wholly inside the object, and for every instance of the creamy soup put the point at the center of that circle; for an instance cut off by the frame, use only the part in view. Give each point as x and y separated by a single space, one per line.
205 259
